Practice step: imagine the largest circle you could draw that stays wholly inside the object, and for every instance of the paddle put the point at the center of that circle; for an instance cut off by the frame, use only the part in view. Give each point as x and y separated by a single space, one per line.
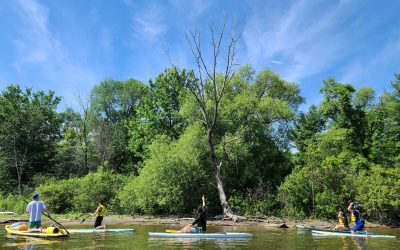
172 231
83 219
48 216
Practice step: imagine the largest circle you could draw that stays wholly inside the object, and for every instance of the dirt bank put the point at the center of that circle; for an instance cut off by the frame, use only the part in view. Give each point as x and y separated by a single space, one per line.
275 222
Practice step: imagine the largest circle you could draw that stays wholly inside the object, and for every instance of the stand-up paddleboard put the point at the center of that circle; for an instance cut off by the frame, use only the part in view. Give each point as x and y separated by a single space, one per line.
361 234
202 235
108 230
328 230
60 234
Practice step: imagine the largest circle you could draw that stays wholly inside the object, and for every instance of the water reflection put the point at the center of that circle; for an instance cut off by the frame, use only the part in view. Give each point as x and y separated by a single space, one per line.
29 243
202 243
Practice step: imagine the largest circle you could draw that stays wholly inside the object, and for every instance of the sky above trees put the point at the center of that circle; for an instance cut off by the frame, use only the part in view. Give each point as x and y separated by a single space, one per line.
69 46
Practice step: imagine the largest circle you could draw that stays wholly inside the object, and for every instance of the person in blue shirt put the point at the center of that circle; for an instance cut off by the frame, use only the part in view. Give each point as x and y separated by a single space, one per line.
35 209
356 217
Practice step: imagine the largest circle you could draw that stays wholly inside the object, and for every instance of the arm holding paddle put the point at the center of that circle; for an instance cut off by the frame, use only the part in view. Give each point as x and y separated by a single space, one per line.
39 208
200 220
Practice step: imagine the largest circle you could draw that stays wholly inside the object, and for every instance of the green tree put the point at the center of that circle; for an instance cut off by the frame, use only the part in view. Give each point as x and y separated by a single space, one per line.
173 170
28 132
114 103
343 107
69 158
386 138
160 111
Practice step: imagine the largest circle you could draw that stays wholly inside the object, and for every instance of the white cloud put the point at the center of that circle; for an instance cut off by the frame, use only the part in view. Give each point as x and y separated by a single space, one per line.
363 71
39 51
148 23
196 7
276 62
305 37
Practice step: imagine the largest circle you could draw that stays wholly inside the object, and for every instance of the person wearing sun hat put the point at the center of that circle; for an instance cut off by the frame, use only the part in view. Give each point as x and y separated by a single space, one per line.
35 209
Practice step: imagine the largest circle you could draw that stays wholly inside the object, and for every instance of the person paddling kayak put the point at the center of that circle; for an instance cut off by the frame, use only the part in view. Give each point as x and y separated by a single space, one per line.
100 213
35 209
356 217
200 221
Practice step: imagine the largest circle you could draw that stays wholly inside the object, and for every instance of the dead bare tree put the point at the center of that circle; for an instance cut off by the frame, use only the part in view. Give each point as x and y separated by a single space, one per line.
209 85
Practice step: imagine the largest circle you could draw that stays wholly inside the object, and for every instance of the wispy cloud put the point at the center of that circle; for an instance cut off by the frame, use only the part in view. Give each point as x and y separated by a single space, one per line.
363 71
40 51
148 23
196 7
276 62
305 36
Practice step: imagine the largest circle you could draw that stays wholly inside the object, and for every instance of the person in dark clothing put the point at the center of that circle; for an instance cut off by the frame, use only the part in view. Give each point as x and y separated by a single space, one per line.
199 225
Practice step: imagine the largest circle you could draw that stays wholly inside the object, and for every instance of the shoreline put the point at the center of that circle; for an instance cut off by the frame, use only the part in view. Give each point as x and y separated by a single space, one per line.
269 222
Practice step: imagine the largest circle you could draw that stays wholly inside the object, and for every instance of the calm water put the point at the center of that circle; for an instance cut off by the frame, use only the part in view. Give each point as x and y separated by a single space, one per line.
263 239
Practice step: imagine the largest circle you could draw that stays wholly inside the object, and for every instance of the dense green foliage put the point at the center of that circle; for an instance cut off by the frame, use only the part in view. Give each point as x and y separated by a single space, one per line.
28 132
348 151
143 148
83 194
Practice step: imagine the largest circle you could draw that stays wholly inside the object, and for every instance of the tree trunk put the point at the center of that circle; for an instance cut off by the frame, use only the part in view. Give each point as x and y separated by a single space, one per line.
217 171
19 174
222 197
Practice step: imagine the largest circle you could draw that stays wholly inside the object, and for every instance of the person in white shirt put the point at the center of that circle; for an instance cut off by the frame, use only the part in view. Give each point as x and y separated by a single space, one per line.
35 209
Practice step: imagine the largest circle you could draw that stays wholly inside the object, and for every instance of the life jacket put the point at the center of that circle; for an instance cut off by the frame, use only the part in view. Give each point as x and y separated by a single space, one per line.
51 230
353 217
342 222
103 211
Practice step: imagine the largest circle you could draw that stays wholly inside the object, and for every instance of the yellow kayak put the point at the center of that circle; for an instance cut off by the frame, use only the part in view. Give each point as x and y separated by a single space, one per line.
60 234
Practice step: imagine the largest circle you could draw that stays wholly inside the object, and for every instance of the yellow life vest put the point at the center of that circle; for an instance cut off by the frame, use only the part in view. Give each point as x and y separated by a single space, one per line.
51 230
341 221
102 213
353 217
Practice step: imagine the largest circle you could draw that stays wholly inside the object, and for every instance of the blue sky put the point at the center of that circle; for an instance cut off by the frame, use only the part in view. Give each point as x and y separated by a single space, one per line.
69 46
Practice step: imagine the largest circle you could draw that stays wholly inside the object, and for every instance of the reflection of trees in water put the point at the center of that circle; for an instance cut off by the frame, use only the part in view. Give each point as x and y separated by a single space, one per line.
354 243
30 243
197 243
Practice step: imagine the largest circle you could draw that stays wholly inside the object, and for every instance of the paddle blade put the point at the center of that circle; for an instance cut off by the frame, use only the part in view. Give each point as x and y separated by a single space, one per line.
172 231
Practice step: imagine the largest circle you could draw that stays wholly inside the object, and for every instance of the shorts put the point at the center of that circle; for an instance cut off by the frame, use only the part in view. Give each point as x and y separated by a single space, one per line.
358 227
196 230
35 224
99 220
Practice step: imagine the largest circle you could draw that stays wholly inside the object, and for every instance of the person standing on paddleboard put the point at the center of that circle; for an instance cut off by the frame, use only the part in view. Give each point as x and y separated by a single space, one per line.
200 221
35 209
100 213
356 217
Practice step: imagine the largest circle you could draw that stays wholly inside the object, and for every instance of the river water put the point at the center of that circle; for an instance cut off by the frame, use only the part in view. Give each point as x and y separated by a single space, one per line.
264 238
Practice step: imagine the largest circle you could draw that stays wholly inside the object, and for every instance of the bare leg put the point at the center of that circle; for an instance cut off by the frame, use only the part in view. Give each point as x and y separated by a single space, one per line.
186 229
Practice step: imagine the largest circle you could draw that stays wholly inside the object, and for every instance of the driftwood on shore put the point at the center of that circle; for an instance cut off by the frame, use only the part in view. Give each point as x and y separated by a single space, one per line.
272 222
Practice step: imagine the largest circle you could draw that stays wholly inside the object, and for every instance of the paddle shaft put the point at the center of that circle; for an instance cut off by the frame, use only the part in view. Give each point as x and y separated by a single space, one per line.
48 216
83 220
